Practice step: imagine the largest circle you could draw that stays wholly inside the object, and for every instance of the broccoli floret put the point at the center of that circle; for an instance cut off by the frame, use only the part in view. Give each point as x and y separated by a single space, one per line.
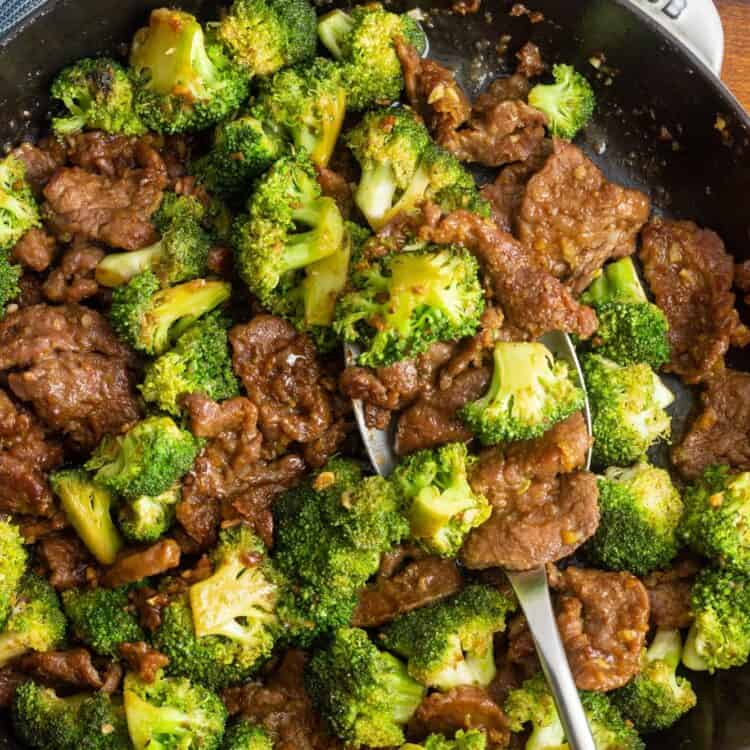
473 739
627 408
290 226
364 694
36 621
530 392
173 712
363 41
569 102
101 618
147 518
181 253
640 510
87 721
244 735
263 36
407 301
18 212
631 329
242 150
13 559
147 460
716 522
88 508
401 167
309 103
147 317
719 637
451 643
330 533
10 275
200 362
98 95
438 500
182 80
532 704
656 697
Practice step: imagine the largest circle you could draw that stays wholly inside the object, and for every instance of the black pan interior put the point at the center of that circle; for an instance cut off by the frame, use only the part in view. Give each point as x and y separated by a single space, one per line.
664 124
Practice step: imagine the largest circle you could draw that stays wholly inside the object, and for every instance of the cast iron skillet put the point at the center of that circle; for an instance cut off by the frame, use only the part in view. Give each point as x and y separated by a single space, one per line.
655 129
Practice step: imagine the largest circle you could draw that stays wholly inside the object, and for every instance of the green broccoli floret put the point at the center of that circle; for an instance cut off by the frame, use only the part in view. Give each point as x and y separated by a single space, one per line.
474 739
181 253
244 735
438 501
98 94
532 704
183 81
451 643
330 533
147 518
35 623
200 362
173 712
402 167
407 301
716 522
242 150
627 408
290 226
18 211
656 697
88 508
147 460
530 392
364 694
719 637
263 36
569 102
640 510
631 329
147 317
10 275
102 618
87 721
309 103
13 559
363 41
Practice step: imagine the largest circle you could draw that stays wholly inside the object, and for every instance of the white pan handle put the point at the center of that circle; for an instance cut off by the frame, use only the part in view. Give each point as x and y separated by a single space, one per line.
696 23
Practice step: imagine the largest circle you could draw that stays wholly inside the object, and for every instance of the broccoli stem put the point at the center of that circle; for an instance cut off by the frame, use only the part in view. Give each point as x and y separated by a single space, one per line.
333 28
12 645
666 647
152 721
691 657
376 190
118 268
407 693
619 282
432 510
547 737
304 248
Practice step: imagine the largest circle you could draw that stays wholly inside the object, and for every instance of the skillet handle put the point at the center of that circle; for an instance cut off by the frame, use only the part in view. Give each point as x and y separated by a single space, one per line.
695 23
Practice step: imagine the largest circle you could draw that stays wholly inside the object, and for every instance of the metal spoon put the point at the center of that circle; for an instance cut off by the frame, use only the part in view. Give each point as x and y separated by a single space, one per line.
530 586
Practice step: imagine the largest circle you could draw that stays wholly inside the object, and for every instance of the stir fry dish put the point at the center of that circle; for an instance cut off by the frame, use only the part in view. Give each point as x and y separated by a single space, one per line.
195 552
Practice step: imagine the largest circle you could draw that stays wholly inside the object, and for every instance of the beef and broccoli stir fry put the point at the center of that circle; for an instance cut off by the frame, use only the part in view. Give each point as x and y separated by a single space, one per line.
194 552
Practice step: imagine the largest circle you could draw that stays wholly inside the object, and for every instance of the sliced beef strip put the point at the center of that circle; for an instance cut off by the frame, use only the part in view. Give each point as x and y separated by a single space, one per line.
41 161
73 668
465 707
669 595
143 659
35 250
574 220
135 565
73 279
603 620
31 292
720 432
420 582
336 186
34 528
540 511
10 679
108 154
65 561
690 274
283 378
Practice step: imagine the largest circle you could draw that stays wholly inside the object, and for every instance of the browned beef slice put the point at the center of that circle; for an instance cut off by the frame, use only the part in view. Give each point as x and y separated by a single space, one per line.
34 528
72 668
465 707
108 154
420 582
143 659
669 595
603 621
574 220
533 301
41 161
135 565
720 433
66 561
540 511
10 679
283 378
35 250
336 186
283 708
73 279
742 276
690 274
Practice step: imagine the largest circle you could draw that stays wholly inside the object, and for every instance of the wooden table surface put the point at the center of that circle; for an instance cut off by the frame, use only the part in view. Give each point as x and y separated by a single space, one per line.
735 15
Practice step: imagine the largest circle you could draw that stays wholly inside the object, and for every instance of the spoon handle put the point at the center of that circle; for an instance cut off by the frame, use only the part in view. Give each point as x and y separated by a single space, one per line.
533 594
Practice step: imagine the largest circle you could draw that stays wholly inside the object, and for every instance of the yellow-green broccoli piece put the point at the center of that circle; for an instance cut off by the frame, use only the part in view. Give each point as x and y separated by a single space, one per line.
569 102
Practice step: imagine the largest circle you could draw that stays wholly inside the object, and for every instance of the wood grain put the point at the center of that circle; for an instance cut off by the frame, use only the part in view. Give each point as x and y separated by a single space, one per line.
735 15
